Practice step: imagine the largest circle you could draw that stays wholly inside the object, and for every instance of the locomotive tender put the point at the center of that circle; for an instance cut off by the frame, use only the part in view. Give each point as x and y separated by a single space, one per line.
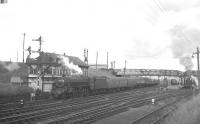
82 86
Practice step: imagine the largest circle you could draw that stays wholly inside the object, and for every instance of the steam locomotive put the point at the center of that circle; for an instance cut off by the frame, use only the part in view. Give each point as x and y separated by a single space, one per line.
189 82
73 86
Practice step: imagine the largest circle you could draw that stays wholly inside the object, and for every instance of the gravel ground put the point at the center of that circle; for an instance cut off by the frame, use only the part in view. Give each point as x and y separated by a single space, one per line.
130 115
188 112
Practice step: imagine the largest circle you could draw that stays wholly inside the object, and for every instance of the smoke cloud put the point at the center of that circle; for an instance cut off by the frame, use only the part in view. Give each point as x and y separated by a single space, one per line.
184 42
73 68
10 66
186 62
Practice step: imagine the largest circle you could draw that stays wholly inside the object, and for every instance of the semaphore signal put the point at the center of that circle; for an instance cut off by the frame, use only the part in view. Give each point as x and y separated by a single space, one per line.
40 43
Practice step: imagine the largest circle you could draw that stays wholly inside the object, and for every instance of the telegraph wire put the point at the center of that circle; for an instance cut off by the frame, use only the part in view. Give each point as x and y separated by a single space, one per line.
152 19
163 10
159 6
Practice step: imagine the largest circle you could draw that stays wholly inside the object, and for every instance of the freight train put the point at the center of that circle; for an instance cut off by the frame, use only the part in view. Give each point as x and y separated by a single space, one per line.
67 87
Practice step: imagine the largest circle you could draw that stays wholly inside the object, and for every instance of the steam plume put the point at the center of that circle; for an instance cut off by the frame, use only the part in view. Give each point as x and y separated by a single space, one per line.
184 42
73 68
186 62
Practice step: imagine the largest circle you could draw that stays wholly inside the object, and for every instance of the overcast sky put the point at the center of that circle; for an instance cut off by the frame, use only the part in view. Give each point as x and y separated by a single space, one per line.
147 33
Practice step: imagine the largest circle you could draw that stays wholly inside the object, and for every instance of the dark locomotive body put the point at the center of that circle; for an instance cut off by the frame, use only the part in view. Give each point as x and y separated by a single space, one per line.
70 87
67 87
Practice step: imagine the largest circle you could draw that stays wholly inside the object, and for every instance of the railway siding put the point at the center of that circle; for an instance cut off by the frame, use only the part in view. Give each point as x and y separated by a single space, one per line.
105 112
87 109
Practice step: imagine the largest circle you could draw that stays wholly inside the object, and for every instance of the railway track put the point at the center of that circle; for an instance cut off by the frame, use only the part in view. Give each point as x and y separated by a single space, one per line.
161 118
154 116
13 105
4 106
16 105
92 115
50 104
27 109
159 114
31 114
171 109
72 106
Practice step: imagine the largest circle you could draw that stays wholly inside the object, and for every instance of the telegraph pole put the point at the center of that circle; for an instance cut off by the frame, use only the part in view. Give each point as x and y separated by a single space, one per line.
125 69
198 58
96 60
107 60
86 59
17 55
23 45
197 52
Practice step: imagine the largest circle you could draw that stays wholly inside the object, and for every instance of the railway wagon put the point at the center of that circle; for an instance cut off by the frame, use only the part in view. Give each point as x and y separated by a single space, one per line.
141 82
106 84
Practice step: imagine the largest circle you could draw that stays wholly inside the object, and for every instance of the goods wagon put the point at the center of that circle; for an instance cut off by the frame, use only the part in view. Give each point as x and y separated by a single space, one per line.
106 84
81 86
139 82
